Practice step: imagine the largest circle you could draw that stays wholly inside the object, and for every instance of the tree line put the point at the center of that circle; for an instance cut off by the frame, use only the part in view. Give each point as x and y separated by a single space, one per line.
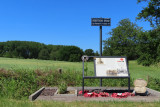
35 50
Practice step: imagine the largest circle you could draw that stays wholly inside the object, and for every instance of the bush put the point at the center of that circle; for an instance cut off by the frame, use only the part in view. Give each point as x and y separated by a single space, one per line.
62 87
154 83
149 47
145 60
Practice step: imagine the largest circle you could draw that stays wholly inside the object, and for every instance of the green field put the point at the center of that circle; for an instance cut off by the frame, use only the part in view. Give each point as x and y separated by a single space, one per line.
19 80
33 64
136 71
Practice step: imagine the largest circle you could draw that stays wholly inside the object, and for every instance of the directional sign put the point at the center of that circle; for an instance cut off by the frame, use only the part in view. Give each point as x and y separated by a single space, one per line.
100 21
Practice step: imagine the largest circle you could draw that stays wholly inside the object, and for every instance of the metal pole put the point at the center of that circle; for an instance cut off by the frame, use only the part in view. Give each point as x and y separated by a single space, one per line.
129 84
83 86
83 80
100 50
100 41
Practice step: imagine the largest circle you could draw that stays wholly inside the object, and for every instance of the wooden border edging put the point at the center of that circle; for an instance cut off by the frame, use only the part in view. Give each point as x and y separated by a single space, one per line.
33 96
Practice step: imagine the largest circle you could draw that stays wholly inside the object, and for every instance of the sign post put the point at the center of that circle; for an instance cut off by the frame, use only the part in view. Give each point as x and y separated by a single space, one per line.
100 22
100 41
100 50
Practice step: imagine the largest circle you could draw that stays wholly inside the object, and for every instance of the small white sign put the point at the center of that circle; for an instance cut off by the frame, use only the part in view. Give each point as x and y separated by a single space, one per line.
111 67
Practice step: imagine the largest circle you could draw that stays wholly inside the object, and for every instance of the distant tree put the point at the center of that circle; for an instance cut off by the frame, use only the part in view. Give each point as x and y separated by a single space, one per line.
55 51
54 55
44 54
49 48
151 13
89 52
123 41
1 49
8 54
149 41
158 52
34 48
67 52
149 47
96 53
75 57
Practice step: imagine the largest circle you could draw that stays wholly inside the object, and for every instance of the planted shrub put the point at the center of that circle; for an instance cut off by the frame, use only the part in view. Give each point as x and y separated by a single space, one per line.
62 87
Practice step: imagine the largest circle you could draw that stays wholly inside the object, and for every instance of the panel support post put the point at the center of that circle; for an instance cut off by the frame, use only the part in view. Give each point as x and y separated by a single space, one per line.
83 79
128 84
83 86
100 50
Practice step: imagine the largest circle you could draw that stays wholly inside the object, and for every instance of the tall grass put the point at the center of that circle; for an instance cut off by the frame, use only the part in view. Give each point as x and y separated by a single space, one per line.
21 83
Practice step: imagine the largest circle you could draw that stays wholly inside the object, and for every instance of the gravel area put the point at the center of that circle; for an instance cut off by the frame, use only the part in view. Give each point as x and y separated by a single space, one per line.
153 96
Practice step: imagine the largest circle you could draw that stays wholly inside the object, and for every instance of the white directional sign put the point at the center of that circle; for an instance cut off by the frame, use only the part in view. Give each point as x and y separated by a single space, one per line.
101 21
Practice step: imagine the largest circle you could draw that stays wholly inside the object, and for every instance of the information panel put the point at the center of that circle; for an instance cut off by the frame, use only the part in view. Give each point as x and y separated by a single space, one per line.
111 67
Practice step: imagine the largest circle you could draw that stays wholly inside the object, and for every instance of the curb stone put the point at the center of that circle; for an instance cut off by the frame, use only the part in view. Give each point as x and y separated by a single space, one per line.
33 96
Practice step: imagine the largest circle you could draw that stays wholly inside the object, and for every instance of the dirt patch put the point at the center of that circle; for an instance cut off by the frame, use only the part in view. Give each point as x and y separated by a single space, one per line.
70 92
48 92
67 92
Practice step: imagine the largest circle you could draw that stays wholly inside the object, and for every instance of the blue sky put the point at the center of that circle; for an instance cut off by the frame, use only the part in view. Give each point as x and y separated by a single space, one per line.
64 22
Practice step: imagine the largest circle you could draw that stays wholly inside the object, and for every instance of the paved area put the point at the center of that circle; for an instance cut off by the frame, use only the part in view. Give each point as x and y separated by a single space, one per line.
154 96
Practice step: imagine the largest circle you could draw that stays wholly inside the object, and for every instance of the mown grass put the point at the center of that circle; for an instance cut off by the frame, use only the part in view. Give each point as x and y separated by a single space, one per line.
32 64
139 71
25 103
136 71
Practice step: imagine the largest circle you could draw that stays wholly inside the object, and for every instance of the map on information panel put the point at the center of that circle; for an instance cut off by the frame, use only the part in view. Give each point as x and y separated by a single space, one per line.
111 67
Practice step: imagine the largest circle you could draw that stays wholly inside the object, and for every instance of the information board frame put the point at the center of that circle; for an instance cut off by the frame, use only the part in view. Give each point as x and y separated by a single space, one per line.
104 77
111 66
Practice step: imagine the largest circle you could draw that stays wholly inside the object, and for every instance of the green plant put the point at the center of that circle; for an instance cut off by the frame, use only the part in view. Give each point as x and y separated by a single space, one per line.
62 87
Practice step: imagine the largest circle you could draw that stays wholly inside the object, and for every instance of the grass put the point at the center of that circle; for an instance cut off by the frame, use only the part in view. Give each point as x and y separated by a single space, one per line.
32 64
25 103
136 71
139 71
21 83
